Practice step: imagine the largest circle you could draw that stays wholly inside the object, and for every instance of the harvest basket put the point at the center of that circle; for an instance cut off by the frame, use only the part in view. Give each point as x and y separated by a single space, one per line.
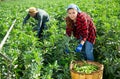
98 74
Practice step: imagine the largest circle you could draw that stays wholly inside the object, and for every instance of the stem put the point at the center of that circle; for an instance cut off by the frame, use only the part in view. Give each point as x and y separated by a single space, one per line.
4 39
4 56
1 45
7 34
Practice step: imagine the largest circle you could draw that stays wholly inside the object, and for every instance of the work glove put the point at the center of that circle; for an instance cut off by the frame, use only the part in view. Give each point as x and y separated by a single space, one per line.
67 51
79 48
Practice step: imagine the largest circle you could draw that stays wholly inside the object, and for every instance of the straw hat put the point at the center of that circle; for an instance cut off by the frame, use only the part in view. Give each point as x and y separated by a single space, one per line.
32 10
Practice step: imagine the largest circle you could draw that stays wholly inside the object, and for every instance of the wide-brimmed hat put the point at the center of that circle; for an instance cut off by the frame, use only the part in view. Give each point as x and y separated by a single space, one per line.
32 10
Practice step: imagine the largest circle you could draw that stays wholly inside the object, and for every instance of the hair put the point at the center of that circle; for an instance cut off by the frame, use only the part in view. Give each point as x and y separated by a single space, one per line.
69 9
69 22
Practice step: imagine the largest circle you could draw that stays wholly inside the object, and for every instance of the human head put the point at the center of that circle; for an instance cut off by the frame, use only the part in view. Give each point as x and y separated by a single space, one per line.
72 11
32 11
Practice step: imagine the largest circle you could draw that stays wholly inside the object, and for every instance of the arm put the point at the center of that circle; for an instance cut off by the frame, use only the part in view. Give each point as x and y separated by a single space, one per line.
25 19
68 31
69 24
40 22
84 31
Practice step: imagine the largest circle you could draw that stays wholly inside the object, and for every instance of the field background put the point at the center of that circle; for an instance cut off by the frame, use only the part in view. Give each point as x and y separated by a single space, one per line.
28 58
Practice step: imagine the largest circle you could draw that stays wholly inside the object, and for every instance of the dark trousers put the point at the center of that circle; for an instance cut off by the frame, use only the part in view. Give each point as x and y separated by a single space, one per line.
40 30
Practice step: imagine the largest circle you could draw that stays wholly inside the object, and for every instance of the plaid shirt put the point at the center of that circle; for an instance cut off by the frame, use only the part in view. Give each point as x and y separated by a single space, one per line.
83 27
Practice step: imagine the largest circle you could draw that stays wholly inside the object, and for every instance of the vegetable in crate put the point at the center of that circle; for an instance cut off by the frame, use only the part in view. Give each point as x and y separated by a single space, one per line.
85 68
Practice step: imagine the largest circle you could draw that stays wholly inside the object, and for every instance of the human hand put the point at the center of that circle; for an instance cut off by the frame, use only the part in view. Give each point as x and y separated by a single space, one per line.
79 48
67 50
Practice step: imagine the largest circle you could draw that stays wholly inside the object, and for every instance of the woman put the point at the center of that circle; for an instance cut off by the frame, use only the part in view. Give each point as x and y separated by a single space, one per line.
82 27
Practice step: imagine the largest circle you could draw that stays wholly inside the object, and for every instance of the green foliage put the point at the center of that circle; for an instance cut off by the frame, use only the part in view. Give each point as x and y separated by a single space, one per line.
46 59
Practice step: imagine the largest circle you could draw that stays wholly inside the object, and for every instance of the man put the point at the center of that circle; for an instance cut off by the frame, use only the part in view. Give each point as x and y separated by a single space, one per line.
40 15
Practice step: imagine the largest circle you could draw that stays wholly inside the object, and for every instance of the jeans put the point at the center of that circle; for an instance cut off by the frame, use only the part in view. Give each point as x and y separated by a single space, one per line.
87 51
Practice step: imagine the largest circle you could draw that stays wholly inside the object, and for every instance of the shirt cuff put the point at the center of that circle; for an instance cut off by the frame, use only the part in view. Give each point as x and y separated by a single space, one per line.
84 39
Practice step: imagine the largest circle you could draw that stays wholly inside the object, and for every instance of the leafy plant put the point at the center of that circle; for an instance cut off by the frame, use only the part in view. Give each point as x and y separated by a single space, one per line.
85 68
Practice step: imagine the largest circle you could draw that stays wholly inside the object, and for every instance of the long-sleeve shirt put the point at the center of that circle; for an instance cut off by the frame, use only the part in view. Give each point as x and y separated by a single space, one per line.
41 16
83 27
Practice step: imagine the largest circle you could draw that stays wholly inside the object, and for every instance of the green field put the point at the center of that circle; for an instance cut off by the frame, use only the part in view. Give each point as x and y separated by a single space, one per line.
28 58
